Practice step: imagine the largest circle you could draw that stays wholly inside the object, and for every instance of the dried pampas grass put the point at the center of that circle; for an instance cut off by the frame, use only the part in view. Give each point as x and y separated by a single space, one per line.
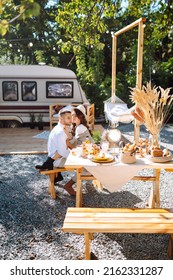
155 104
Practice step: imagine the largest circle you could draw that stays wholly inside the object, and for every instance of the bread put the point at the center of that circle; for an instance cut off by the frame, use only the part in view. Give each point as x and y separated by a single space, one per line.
156 152
166 153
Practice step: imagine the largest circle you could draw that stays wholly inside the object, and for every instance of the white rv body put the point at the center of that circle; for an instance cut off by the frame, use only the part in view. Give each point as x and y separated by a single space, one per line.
26 89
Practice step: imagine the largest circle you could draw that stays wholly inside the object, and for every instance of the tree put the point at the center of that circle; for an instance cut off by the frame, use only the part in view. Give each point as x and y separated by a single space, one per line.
83 25
76 34
10 11
32 40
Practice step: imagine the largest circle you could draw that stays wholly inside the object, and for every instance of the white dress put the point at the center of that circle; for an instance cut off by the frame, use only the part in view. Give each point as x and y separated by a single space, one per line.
80 135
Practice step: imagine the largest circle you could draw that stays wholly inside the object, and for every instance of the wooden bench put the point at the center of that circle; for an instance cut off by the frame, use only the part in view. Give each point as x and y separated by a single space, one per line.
53 173
90 112
118 220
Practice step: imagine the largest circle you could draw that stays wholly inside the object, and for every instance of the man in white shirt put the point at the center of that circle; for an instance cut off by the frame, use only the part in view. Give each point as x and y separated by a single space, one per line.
57 146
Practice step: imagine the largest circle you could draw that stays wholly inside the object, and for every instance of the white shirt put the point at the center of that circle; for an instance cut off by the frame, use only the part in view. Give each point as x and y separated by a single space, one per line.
57 144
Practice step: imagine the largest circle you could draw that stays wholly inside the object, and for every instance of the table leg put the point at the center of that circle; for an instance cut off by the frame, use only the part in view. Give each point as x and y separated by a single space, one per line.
87 246
155 201
79 188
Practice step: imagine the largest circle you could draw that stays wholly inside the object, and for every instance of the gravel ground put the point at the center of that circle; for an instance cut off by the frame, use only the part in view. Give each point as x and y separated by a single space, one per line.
31 221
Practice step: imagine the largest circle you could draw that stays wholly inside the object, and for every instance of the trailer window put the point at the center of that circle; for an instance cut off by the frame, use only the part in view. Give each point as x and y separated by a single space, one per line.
29 91
10 91
59 89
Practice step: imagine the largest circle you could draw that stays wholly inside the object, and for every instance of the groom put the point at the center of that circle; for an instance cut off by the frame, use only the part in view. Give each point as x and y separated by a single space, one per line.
57 147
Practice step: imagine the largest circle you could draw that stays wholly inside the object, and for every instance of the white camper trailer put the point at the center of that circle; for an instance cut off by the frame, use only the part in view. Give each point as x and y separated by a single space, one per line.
26 89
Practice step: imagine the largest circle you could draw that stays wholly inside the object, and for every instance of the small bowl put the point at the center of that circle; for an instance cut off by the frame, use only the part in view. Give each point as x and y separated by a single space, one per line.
127 157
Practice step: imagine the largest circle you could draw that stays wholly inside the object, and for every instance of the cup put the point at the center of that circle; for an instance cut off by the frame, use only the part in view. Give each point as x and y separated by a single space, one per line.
78 151
105 146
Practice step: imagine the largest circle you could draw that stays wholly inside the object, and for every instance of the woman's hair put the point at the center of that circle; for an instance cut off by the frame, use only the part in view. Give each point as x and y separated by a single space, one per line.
82 119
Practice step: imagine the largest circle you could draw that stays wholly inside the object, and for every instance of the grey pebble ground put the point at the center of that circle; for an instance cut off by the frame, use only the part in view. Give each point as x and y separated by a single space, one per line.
31 221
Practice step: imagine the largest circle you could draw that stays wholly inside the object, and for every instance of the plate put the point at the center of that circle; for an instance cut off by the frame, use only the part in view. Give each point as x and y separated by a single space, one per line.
160 159
106 159
114 135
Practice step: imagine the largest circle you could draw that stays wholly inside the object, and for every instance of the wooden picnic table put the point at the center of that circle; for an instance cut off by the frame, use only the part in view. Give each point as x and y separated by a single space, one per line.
115 174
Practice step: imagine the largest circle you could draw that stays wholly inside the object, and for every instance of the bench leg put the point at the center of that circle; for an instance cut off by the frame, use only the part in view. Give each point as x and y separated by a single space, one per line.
51 188
170 247
97 184
87 246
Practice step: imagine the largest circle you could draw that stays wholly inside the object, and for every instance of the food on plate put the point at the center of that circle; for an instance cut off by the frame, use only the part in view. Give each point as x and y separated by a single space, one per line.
129 148
128 152
102 157
156 151
73 153
166 153
90 149
95 149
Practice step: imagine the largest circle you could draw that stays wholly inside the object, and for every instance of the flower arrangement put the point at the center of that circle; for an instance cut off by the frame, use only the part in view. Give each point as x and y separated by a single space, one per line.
154 104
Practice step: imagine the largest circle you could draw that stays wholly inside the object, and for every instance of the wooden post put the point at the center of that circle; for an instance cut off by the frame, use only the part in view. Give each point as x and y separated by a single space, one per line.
139 72
140 54
140 25
114 49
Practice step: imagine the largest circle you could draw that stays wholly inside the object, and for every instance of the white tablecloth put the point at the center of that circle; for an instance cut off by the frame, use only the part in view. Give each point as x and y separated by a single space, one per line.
114 175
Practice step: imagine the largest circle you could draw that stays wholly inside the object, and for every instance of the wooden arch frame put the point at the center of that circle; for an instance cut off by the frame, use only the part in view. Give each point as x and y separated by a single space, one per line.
140 24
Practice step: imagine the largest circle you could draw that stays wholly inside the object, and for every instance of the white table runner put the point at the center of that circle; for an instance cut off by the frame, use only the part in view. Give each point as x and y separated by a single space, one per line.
114 175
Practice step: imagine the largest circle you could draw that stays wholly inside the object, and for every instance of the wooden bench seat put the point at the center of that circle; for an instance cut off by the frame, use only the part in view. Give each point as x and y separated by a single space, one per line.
53 173
118 220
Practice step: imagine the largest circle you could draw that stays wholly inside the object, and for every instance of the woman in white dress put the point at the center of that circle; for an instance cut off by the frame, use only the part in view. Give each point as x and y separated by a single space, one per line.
80 132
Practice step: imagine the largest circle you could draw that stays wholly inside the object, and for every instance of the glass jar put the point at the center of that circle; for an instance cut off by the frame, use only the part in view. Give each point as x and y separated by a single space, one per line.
154 140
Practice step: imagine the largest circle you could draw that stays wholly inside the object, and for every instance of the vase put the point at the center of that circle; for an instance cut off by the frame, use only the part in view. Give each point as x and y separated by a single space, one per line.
154 140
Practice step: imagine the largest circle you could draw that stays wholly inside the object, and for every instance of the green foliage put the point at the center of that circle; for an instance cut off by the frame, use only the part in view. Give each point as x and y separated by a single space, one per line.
39 54
96 135
10 11
76 34
83 24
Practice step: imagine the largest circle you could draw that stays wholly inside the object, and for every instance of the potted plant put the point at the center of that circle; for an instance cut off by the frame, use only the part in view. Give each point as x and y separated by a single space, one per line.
40 121
32 120
96 135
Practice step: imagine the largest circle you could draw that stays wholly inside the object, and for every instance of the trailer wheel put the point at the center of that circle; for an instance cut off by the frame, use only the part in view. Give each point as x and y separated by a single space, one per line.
12 124
1 124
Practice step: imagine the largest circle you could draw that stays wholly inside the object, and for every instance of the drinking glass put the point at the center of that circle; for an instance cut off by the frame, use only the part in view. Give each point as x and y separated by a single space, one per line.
105 146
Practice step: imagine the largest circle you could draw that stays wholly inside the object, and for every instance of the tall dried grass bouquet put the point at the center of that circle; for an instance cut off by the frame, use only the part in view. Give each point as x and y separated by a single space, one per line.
155 104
